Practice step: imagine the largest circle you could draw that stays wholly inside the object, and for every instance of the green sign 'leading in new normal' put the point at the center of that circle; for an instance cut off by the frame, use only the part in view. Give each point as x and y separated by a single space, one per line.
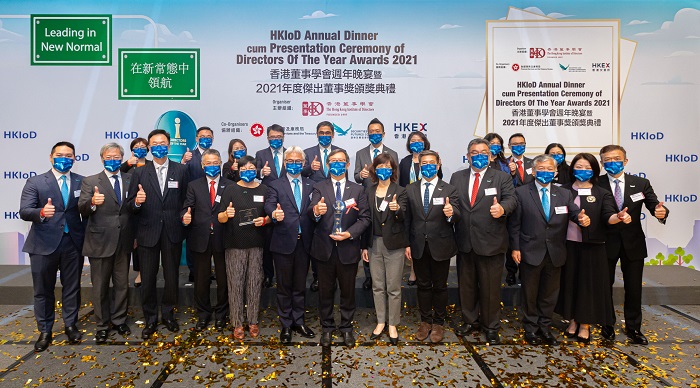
60 40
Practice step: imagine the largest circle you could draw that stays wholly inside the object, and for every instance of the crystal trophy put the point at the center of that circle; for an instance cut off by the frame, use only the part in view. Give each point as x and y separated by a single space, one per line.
338 209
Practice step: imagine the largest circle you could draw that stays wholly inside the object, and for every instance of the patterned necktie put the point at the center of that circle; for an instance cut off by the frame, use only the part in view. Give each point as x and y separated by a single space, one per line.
376 152
520 170
325 162
161 181
64 194
212 192
117 189
297 197
618 194
426 198
475 189
545 203
276 159
412 175
338 195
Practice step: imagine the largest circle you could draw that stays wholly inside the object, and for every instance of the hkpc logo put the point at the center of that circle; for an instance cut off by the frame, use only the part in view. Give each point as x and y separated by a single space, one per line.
537 52
311 108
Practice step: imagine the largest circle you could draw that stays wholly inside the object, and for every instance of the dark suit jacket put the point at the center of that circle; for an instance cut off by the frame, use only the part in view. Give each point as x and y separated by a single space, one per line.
45 236
229 174
477 230
204 220
599 206
354 221
362 157
527 164
285 232
310 154
265 155
405 166
631 236
394 233
194 166
160 210
529 231
433 227
110 225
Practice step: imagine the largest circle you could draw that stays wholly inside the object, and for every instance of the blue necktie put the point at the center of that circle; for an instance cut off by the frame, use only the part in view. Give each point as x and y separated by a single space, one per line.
117 189
426 198
297 196
338 195
618 194
325 162
376 152
545 203
64 194
277 164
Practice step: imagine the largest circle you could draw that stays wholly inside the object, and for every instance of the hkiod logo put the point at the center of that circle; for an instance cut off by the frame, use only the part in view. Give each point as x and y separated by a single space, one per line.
537 52
182 132
19 134
410 127
311 108
257 129
340 131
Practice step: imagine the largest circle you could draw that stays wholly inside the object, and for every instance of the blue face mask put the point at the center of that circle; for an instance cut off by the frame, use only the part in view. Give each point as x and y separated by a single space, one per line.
384 173
416 147
614 168
583 175
376 138
275 143
544 177
62 165
337 168
212 171
159 151
247 175
480 161
558 158
112 165
428 170
293 168
495 149
205 142
237 154
140 152
324 141
518 150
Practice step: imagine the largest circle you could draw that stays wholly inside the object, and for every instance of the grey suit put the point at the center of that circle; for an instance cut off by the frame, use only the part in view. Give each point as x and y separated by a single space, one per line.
362 158
109 240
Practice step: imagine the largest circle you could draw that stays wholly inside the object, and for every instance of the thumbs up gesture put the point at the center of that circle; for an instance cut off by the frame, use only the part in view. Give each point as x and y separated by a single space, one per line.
393 205
316 165
187 156
49 209
660 211
97 198
320 208
583 219
230 211
266 169
624 217
278 214
187 218
364 173
447 208
140 196
496 209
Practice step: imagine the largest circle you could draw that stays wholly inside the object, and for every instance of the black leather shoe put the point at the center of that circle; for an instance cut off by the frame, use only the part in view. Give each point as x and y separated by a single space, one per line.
464 329
636 337
532 339
74 335
314 285
394 340
326 338
286 336
304 331
568 334
267 283
376 336
43 342
510 279
608 332
201 325
149 330
220 324
367 284
171 325
349 339
492 337
122 329
548 338
101 336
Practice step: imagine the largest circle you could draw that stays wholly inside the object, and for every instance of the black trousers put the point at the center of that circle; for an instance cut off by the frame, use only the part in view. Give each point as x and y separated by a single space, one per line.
168 254
202 281
329 272
291 285
540 291
632 271
511 266
480 288
431 279
44 268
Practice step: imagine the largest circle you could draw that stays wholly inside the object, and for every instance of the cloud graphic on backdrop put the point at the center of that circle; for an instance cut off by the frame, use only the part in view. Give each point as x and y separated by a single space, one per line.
685 24
553 15
637 22
164 35
9 36
318 15
677 80
449 26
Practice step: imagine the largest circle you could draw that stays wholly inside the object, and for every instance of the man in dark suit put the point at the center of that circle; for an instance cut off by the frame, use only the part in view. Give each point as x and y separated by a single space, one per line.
433 209
205 240
521 173
337 251
537 231
287 204
486 197
626 242
54 242
160 230
270 164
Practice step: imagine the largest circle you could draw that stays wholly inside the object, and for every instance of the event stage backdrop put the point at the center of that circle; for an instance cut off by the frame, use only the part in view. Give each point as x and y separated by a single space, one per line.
583 73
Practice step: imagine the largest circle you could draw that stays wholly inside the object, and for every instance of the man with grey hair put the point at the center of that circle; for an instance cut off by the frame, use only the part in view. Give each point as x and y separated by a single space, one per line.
109 240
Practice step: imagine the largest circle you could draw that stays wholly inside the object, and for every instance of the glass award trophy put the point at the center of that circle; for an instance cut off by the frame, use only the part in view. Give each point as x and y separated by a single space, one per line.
247 216
338 209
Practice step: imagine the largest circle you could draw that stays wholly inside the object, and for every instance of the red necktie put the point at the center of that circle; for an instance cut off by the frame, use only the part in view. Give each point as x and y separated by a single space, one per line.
212 192
475 189
520 170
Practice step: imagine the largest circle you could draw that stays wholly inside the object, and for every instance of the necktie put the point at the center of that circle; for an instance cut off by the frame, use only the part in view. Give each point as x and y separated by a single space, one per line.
338 195
376 152
426 198
325 162
117 189
276 159
545 203
64 194
520 170
297 196
475 188
412 175
618 194
161 181
212 192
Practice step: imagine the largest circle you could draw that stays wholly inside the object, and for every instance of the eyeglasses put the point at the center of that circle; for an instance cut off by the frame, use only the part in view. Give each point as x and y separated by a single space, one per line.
275 137
293 161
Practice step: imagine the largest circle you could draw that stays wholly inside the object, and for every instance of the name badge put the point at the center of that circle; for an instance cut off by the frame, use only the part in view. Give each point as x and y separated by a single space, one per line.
76 193
217 199
584 191
350 202
529 171
637 197
383 206
258 198
561 210
490 191
438 201
173 184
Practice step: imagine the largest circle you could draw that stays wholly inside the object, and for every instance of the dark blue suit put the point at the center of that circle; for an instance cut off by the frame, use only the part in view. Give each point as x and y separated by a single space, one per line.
194 166
50 249
312 153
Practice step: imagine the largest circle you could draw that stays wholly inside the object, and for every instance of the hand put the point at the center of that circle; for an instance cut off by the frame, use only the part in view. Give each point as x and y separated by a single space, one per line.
496 209
513 167
133 160
260 221
187 218
140 195
624 217
407 253
364 173
97 198
365 256
278 214
447 209
583 219
316 165
49 209
320 208
266 169
234 166
393 205
187 156
230 211
340 236
660 211
516 257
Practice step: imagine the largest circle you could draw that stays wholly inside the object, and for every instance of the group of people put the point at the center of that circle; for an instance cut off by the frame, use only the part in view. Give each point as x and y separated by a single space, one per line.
562 226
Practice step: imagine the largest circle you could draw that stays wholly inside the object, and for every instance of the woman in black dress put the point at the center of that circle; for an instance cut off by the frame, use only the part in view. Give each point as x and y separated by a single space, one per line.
236 150
498 161
558 152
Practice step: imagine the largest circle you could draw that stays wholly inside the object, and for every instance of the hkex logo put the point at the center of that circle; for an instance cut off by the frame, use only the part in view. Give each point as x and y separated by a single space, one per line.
410 127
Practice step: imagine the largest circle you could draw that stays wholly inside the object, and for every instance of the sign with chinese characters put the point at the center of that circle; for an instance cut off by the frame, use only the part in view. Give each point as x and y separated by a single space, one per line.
71 40
159 74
